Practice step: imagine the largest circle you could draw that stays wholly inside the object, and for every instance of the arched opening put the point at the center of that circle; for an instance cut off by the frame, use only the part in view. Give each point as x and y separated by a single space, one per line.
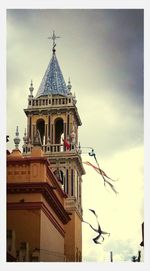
60 177
40 125
58 130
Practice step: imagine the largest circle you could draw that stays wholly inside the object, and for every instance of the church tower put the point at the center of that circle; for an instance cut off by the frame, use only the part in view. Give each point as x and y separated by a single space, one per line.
52 122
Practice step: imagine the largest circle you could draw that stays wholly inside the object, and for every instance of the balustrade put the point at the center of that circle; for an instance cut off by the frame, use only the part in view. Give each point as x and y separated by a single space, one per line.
49 102
51 148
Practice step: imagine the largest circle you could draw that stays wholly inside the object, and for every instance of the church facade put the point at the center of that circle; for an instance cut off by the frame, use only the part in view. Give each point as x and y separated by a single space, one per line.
44 181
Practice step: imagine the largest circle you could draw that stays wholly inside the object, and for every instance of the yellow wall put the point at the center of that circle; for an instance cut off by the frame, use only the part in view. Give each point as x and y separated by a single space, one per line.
33 226
52 212
73 237
78 234
51 242
26 224
30 197
34 172
36 197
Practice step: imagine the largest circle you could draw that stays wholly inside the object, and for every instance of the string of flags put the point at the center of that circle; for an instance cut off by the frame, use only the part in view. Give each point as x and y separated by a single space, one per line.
106 178
7 138
98 170
98 230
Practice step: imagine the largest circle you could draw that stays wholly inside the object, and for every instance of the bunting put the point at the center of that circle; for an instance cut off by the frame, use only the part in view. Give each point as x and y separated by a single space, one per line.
101 172
98 170
98 230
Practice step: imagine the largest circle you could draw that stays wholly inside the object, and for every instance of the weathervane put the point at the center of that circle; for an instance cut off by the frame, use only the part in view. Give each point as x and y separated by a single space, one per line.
54 37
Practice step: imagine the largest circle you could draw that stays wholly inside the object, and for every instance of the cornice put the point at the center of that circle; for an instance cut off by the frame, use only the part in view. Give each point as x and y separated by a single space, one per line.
36 206
46 190
68 156
28 160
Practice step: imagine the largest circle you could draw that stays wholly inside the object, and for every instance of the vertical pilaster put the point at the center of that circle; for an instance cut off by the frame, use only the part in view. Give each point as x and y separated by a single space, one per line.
46 134
29 127
49 126
77 186
67 181
68 124
52 133
70 121
65 133
72 183
80 191
33 132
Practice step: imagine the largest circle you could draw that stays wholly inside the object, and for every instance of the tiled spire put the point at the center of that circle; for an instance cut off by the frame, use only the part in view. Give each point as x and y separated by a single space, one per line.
53 82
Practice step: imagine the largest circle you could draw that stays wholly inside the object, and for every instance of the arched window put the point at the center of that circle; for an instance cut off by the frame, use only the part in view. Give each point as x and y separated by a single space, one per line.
40 125
58 130
60 176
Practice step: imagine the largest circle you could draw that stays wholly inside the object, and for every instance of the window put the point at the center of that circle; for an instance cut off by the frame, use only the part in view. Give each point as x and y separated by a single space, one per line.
40 125
58 130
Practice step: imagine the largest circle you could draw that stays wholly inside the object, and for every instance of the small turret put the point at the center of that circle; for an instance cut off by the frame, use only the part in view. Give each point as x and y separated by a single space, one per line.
17 139
69 86
74 98
31 88
25 138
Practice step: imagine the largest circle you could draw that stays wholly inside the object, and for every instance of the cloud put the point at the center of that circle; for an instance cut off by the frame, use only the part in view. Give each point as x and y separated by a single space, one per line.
119 123
123 250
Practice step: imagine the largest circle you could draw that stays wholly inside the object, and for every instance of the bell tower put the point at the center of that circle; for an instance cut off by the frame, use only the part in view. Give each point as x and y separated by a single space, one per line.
52 115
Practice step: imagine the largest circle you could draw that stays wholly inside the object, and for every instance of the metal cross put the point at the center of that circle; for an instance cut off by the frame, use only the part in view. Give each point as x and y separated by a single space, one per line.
53 37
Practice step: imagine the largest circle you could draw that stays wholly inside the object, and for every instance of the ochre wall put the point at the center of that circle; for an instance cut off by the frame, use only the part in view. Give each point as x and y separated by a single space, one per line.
26 224
78 235
70 240
51 242
33 172
34 226
38 226
52 212
73 237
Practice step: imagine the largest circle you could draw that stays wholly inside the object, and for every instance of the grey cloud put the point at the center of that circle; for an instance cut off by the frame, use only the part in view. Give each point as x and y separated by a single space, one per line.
110 41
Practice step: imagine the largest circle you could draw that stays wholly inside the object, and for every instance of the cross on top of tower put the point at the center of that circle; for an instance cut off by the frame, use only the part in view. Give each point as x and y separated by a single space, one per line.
54 37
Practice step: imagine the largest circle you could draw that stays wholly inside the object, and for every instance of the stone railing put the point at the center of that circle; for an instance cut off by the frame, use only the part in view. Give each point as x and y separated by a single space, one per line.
52 148
50 101
57 148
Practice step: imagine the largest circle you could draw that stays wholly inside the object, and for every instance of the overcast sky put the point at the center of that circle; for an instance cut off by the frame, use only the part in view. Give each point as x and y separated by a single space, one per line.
102 53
